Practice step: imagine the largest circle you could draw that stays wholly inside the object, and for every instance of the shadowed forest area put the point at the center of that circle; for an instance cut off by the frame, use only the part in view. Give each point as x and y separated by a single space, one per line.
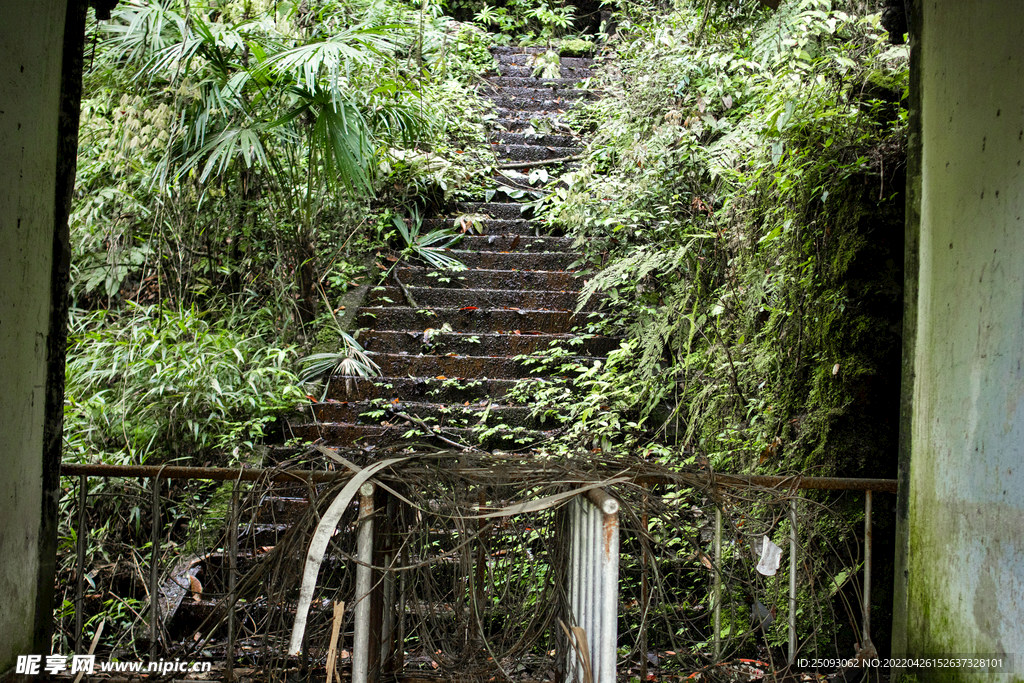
705 201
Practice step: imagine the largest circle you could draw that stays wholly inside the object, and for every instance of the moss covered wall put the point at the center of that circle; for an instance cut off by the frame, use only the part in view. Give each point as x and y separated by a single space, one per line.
38 120
965 532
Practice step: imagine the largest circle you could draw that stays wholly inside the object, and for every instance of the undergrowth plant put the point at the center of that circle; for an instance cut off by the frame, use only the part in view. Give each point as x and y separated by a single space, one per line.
742 176
154 384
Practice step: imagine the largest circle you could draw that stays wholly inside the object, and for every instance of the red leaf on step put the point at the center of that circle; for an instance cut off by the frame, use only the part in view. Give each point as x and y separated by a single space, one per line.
516 332
469 308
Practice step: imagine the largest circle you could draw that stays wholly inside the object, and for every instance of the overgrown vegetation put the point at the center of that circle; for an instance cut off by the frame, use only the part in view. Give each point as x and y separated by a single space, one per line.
741 210
739 207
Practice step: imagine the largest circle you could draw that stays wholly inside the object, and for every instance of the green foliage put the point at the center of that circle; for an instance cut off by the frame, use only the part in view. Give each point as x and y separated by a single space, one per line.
532 22
429 247
734 193
223 149
158 384
575 47
350 362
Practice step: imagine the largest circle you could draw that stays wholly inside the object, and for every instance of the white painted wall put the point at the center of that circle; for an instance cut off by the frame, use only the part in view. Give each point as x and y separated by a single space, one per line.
31 39
965 581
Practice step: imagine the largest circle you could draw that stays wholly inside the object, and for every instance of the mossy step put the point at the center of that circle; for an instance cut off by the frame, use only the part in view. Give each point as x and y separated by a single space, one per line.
483 343
482 298
520 280
472 320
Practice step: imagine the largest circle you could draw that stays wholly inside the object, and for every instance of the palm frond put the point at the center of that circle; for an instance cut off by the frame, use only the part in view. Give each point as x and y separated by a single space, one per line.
227 145
351 362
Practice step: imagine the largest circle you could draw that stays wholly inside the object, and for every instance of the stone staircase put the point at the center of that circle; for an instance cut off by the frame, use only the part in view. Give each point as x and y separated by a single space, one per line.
449 360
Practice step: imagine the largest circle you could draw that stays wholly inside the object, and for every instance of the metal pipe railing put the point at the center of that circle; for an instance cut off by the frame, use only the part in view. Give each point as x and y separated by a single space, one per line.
593 589
364 584
321 476
594 582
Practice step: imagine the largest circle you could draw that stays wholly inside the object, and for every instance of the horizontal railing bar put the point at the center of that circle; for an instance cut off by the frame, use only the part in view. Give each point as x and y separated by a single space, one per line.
770 481
320 476
203 473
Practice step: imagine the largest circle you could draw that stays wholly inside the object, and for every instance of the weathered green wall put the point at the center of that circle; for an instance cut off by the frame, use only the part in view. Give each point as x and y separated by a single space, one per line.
965 515
31 54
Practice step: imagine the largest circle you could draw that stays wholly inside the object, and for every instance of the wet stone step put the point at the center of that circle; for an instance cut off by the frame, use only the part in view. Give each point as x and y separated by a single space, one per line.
480 320
530 94
523 59
504 104
531 82
433 297
522 280
483 344
516 50
521 71
468 367
444 390
463 414
550 110
537 139
524 123
514 243
551 260
506 211
381 436
491 226
533 152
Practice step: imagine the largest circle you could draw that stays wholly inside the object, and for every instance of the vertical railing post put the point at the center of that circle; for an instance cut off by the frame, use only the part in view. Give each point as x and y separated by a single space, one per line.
400 659
645 590
80 564
229 665
718 584
594 566
154 574
792 580
866 607
364 584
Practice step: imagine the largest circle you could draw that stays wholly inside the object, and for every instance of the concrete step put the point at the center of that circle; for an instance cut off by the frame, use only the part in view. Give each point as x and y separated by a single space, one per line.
521 280
533 152
469 367
482 344
515 243
542 140
505 104
479 320
402 432
466 367
497 260
516 123
517 50
526 93
450 297
574 73
516 226
532 82
548 110
500 210
465 414
526 59
419 389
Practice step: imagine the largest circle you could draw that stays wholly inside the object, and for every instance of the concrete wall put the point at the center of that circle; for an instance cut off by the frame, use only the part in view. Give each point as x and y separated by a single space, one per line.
964 535
33 188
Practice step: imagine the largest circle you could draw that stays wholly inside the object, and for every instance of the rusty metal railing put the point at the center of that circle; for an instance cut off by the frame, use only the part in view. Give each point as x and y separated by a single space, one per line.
593 583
